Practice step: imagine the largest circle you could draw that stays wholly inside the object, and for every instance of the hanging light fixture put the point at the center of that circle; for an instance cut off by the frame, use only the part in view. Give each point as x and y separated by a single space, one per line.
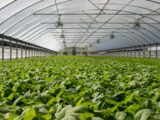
62 36
90 45
59 23
137 24
64 42
98 41
112 36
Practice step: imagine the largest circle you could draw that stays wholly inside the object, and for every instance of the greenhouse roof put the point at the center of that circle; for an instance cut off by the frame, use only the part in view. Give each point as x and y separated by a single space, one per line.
96 24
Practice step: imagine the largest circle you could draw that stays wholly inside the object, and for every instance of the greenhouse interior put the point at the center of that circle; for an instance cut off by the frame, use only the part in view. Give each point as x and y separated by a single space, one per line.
79 59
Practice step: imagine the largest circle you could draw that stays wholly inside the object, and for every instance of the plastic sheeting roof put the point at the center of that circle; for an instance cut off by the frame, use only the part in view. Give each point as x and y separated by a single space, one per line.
96 24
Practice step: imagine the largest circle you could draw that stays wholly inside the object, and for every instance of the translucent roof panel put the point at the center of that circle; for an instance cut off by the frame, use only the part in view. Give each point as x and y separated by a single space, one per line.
56 24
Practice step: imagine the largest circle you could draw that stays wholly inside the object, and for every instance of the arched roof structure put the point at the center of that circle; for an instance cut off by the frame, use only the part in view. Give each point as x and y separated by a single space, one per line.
96 24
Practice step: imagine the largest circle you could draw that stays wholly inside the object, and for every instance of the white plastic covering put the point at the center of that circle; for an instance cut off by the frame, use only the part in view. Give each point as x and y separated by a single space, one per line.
84 22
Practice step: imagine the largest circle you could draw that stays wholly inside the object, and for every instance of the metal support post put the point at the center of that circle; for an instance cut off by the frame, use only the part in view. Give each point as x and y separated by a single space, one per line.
25 50
127 52
32 52
10 49
144 55
2 48
29 50
36 51
150 51
139 51
134 51
156 51
131 52
16 50
21 50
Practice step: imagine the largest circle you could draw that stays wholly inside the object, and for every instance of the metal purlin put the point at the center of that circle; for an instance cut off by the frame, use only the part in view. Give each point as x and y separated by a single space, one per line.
37 34
141 37
127 40
129 43
153 1
93 19
33 39
149 30
107 20
146 28
34 31
8 4
29 30
17 14
142 32
33 25
36 40
28 15
130 40
91 34
24 27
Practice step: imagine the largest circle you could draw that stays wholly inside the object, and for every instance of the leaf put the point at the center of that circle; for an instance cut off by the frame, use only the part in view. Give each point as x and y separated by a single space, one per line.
7 92
43 110
10 116
119 96
29 114
86 116
17 100
155 117
120 115
62 113
143 114
69 117
10 97
51 101
80 109
47 116
97 118
133 108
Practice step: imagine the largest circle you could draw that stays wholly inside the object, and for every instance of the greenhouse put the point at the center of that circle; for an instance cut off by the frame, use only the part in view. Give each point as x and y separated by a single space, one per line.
79 59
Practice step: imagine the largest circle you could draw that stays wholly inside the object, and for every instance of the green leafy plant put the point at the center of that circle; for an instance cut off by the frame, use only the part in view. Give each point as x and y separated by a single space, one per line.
79 88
